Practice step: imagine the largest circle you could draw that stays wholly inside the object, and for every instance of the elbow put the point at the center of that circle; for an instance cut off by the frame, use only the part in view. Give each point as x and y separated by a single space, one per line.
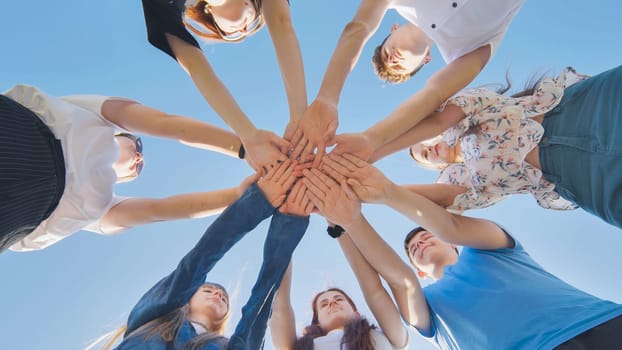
357 29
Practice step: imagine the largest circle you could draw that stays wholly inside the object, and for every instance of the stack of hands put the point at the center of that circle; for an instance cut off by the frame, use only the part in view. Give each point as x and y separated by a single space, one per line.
305 140
334 189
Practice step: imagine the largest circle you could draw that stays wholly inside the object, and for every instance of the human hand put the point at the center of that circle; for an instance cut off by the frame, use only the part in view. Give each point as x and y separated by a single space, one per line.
357 144
297 202
369 184
277 181
317 126
247 182
290 130
264 149
336 202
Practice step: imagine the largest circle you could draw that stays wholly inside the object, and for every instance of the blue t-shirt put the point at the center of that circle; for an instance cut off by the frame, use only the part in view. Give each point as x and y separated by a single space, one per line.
502 299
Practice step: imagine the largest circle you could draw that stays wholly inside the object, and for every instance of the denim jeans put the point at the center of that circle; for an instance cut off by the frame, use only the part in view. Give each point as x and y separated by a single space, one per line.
176 289
581 150
284 234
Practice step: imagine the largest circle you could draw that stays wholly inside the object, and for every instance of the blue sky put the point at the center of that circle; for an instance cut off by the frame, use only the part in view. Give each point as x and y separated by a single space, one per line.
68 295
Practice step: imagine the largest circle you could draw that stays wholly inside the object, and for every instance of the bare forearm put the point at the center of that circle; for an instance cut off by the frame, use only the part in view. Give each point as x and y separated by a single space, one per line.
211 87
401 279
201 135
405 117
282 321
223 103
289 57
346 54
433 125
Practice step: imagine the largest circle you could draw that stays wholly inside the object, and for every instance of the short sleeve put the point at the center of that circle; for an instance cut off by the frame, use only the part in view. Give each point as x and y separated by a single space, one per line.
164 16
96 226
94 103
472 102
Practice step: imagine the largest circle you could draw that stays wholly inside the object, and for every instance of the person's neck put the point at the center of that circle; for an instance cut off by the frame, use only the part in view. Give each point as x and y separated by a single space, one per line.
439 268
421 41
457 153
201 321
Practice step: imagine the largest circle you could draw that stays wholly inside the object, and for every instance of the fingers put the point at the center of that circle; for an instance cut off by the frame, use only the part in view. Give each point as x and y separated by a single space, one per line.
299 148
350 194
282 144
356 187
355 160
282 169
315 195
321 150
316 181
307 152
344 163
268 174
334 167
296 137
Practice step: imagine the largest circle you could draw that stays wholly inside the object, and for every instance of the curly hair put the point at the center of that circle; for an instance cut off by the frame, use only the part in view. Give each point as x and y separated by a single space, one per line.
385 72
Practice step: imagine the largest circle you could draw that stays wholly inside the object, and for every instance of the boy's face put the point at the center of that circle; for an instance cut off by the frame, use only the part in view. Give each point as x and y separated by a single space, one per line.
426 251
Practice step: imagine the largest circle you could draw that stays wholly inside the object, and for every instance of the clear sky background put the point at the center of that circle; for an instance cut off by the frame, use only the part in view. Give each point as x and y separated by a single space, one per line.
66 296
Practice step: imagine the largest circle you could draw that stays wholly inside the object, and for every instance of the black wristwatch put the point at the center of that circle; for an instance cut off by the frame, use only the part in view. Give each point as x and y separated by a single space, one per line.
335 231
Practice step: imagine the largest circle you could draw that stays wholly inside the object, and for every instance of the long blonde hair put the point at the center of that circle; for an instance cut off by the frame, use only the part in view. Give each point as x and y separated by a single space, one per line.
167 328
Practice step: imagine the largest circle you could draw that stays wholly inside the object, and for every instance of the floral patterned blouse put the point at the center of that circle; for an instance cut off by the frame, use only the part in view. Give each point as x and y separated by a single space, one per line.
496 135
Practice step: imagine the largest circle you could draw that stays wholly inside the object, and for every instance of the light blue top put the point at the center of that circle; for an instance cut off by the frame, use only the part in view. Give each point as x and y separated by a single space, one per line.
502 299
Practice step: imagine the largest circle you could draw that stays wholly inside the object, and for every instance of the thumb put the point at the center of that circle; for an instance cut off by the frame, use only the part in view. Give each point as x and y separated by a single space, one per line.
280 142
356 186
348 190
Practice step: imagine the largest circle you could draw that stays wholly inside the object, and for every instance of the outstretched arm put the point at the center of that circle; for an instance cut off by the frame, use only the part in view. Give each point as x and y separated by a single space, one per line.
370 256
320 120
282 321
377 298
416 115
279 22
141 211
441 86
433 125
263 148
371 185
146 120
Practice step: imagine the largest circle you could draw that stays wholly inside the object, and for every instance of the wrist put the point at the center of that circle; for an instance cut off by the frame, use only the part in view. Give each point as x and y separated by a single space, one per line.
327 99
372 139
241 151
335 231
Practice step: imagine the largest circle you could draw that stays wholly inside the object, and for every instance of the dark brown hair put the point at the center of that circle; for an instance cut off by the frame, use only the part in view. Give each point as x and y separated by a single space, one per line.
356 333
409 237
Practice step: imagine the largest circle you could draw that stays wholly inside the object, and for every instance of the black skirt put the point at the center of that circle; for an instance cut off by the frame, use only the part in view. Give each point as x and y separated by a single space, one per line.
32 172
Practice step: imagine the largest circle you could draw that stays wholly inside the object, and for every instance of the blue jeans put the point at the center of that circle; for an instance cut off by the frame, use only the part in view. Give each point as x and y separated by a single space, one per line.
176 289
284 234
581 150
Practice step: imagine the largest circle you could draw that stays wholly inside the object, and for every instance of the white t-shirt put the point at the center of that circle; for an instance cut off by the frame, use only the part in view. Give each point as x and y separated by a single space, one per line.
332 341
89 148
460 26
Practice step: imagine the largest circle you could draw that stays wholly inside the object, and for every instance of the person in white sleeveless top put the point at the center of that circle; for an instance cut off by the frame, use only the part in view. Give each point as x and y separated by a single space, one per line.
84 145
466 32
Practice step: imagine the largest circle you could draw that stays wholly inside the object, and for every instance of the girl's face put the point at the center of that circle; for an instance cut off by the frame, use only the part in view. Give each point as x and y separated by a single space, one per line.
434 155
130 157
333 310
235 17
209 301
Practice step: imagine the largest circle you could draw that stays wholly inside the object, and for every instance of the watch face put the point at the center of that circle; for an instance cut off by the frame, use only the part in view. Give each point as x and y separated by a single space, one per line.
336 231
